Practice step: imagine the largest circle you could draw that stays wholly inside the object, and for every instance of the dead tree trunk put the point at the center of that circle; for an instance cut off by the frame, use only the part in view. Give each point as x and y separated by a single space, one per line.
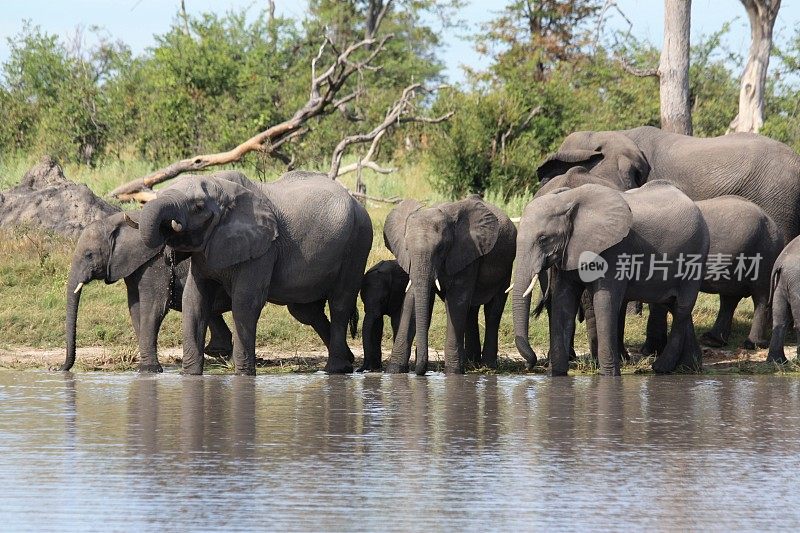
673 69
762 15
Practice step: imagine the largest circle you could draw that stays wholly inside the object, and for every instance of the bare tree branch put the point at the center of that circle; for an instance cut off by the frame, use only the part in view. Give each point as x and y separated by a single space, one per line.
322 100
640 72
397 114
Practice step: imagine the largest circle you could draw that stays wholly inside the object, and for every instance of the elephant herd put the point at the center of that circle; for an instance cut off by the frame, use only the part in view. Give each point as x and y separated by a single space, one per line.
620 216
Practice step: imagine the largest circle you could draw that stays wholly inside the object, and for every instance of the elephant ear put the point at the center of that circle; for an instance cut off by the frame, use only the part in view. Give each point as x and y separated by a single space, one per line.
128 251
631 161
600 219
246 229
476 230
561 161
394 231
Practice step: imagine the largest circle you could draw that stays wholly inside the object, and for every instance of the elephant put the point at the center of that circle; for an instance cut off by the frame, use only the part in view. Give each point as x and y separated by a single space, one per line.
785 299
110 249
299 241
593 234
383 290
738 229
464 249
759 169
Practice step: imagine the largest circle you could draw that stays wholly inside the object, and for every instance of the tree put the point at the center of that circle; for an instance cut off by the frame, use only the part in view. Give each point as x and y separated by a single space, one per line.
762 15
673 68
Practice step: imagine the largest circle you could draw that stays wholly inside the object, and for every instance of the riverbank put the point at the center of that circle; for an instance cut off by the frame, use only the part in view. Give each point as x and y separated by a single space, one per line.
122 358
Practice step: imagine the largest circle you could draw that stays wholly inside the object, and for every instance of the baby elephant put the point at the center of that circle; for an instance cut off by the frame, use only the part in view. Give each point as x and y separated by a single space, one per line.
785 296
382 292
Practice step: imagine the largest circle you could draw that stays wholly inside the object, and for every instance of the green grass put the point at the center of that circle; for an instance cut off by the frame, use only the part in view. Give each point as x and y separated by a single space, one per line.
34 268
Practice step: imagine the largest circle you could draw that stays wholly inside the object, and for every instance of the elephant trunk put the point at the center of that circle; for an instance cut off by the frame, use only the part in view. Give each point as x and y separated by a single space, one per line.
422 285
372 333
76 277
524 275
161 217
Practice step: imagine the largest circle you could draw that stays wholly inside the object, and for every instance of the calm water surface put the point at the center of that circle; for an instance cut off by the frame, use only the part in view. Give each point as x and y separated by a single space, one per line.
377 452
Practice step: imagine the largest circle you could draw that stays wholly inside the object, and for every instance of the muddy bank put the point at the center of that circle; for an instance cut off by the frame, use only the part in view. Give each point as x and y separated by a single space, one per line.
309 360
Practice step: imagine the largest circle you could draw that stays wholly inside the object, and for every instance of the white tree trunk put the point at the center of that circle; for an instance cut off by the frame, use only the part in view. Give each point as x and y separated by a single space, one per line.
673 68
762 15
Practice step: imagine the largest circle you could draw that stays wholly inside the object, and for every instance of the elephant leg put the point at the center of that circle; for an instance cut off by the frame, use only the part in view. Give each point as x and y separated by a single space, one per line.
401 348
780 323
492 313
472 337
563 311
395 321
221 343
607 299
340 357
152 310
313 314
720 334
691 358
591 323
761 316
656 338
681 344
196 305
458 311
623 352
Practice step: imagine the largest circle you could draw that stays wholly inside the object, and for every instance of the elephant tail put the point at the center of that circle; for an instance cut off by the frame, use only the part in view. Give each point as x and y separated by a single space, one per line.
773 283
354 323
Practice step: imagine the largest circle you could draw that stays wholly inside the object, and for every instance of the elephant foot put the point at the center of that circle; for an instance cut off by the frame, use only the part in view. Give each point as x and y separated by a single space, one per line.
490 362
747 344
154 369
663 365
777 357
713 340
338 367
453 369
369 367
245 372
397 368
222 351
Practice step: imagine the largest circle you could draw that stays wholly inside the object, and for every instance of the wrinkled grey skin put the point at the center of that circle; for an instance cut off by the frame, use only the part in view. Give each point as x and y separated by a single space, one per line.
785 300
469 247
735 226
110 250
759 169
383 290
300 241
556 228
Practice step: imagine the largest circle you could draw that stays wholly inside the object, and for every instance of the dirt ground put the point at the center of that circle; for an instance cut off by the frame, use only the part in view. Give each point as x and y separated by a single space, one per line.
115 358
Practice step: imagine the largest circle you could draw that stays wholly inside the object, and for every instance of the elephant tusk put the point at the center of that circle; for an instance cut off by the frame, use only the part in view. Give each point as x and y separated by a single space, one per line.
438 287
78 288
176 226
408 286
509 288
129 221
530 287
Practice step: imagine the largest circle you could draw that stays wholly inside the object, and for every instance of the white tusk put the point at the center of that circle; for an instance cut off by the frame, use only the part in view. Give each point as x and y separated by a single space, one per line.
177 226
78 288
509 288
408 286
438 287
530 287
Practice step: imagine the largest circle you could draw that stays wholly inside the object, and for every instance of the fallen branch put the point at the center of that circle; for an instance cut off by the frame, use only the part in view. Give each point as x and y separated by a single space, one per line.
393 200
323 99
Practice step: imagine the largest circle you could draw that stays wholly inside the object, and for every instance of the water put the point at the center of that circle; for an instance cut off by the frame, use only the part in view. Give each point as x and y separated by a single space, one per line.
379 452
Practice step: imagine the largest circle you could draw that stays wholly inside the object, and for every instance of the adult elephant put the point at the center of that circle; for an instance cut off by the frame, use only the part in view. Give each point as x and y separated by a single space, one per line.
111 249
759 169
465 249
573 230
299 241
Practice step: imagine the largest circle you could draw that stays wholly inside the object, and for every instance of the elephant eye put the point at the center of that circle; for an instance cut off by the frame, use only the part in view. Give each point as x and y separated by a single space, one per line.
197 208
542 238
88 255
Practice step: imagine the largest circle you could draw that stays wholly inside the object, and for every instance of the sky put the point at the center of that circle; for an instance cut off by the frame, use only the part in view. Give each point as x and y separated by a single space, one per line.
136 21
